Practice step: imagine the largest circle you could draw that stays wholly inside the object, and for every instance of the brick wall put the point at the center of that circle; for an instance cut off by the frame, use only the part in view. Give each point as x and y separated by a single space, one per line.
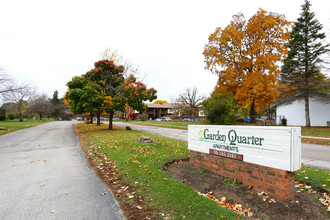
276 182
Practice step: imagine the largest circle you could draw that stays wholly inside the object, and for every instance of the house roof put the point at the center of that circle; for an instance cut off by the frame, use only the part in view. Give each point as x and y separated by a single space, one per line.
163 105
291 98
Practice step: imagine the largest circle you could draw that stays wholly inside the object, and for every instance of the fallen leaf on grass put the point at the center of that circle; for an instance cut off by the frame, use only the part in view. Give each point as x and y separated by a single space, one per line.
325 200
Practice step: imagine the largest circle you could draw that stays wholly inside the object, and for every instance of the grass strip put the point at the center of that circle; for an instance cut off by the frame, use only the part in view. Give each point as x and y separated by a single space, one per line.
316 131
315 141
141 165
316 177
14 125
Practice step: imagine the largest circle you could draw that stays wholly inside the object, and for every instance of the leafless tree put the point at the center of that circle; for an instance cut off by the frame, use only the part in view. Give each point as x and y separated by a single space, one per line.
6 82
8 85
119 60
41 106
190 99
20 96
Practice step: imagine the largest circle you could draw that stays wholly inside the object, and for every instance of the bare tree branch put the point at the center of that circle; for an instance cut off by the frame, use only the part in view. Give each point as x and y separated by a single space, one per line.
191 97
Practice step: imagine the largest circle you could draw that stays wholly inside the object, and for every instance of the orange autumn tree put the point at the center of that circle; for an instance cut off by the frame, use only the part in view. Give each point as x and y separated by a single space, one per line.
118 90
245 56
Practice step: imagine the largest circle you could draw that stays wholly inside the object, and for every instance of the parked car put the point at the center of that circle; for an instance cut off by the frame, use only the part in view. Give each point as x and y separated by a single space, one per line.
187 119
166 119
158 119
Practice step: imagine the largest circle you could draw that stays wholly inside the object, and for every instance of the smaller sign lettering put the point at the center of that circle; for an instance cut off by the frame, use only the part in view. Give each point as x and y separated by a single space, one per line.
227 154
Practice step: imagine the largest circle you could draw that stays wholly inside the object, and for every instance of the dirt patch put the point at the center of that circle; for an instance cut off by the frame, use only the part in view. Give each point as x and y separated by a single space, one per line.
304 206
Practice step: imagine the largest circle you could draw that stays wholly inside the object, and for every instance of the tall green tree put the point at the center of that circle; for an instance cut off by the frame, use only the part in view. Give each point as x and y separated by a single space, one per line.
84 96
56 103
301 69
110 78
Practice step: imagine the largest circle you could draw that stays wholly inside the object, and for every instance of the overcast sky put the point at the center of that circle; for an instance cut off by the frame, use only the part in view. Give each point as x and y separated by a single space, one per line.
46 43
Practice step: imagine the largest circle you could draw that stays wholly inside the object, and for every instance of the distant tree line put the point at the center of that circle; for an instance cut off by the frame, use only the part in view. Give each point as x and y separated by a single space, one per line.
22 101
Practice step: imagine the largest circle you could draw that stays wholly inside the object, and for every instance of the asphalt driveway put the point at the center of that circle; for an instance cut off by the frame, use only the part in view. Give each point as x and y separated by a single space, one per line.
44 175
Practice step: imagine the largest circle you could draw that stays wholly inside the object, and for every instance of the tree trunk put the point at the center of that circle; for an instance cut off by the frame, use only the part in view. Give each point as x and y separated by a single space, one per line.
110 120
98 116
306 74
91 118
20 117
307 117
252 113
40 117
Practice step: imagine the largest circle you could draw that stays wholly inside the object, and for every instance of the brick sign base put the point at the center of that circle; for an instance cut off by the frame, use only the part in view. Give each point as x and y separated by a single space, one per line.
276 182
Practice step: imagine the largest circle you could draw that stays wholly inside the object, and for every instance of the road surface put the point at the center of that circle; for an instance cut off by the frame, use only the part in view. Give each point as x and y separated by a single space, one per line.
317 156
44 175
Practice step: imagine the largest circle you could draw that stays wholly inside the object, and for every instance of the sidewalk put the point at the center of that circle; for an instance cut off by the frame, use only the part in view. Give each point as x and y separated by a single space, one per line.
321 138
316 156
177 134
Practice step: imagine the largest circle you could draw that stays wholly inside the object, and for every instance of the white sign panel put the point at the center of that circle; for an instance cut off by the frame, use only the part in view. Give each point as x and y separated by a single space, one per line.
277 147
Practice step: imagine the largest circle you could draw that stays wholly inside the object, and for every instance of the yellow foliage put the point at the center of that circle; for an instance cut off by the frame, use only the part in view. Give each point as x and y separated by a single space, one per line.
160 101
112 55
108 100
245 56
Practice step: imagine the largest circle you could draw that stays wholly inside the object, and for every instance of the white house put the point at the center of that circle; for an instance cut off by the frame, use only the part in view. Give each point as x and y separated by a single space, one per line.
293 109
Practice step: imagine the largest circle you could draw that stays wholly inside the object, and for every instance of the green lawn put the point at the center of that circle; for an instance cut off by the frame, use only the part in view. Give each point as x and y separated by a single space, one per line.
14 125
141 166
316 132
315 141
316 177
